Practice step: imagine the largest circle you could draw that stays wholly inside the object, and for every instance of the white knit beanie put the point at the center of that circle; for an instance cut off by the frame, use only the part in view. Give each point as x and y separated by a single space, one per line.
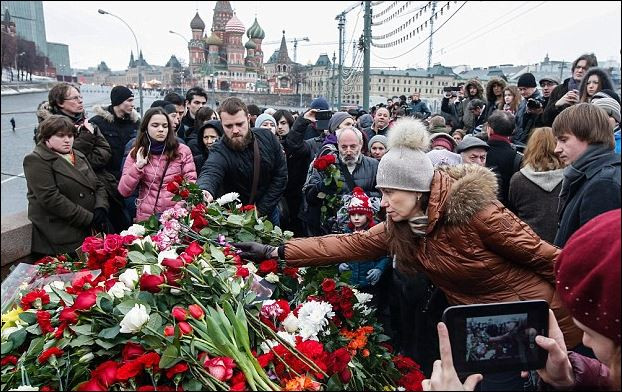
406 166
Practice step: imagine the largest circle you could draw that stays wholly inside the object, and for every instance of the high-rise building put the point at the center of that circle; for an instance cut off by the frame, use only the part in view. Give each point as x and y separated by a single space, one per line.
58 54
29 22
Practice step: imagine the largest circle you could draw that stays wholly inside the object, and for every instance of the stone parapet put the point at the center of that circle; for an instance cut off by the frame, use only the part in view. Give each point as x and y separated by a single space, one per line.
16 237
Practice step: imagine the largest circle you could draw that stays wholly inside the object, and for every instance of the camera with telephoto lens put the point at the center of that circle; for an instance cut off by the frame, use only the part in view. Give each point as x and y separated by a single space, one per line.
535 103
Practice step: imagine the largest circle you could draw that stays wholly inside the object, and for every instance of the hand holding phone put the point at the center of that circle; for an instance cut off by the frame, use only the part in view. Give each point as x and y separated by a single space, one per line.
310 115
444 376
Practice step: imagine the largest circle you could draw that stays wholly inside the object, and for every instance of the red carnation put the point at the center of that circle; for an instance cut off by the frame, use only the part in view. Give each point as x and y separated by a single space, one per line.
265 359
131 351
184 193
150 360
172 187
91 385
9 359
106 373
179 313
151 283
178 178
129 370
267 266
112 243
179 368
36 298
85 300
43 358
43 319
412 381
292 272
328 285
113 265
196 311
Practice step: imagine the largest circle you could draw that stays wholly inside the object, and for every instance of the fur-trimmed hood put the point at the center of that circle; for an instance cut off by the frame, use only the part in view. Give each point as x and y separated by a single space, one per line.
459 192
490 95
101 110
478 85
43 111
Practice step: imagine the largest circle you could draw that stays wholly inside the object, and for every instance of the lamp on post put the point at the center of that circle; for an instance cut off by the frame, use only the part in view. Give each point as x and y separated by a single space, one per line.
189 67
140 79
213 90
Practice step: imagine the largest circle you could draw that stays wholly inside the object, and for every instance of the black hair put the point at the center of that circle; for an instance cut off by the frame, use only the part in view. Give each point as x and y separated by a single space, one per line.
253 110
502 122
284 113
195 91
475 103
174 98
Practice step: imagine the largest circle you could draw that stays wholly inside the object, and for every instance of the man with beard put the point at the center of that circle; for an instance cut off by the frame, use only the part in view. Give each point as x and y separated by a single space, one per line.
356 170
233 158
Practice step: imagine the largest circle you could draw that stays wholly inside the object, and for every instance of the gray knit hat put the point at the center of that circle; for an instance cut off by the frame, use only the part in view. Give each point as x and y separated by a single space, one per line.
406 166
378 138
336 120
609 105
471 141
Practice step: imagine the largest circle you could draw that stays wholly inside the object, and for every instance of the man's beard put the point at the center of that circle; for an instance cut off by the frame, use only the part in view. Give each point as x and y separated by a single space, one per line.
350 161
238 143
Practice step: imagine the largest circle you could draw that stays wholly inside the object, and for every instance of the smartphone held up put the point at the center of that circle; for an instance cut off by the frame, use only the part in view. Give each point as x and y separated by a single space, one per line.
497 337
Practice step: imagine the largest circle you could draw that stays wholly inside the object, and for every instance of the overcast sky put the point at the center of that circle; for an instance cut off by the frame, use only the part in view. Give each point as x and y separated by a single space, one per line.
481 33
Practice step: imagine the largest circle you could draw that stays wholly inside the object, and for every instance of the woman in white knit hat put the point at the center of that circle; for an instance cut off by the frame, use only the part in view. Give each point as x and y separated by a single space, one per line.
445 223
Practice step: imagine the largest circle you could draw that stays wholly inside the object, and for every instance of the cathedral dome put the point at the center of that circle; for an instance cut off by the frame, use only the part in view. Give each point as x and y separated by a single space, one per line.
250 45
213 40
197 23
255 31
234 25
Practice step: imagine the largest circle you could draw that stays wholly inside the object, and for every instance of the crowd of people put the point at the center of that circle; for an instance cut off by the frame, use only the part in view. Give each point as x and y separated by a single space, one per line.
423 210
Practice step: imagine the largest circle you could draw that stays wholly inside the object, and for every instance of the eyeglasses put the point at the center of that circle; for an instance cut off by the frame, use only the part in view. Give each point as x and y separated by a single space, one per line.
77 98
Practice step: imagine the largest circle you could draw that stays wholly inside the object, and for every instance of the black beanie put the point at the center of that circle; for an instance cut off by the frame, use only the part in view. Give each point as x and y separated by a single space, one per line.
527 80
119 94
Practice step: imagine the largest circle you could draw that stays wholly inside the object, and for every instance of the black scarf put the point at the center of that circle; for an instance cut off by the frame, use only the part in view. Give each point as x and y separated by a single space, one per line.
577 169
75 118
156 147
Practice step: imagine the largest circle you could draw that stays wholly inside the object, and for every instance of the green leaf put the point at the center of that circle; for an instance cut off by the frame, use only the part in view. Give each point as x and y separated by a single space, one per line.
155 322
383 338
104 302
334 384
125 306
170 357
193 385
104 344
217 254
245 236
82 340
146 297
6 347
152 341
235 220
136 257
109 333
28 317
36 346
84 329
34 329
65 296
268 226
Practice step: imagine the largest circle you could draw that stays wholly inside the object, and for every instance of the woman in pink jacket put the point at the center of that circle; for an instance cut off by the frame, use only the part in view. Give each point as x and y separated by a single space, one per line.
155 159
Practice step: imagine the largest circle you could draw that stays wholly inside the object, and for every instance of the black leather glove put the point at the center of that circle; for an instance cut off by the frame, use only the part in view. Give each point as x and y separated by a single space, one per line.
100 218
254 250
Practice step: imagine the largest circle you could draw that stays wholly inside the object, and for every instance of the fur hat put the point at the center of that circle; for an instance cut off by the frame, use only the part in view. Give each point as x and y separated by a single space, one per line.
527 80
359 204
588 275
406 166
120 94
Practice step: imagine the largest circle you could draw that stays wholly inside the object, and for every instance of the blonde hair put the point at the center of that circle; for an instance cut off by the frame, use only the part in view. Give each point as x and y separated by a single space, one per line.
540 151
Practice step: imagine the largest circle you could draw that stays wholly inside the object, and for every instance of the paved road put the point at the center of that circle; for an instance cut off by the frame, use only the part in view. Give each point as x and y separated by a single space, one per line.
15 145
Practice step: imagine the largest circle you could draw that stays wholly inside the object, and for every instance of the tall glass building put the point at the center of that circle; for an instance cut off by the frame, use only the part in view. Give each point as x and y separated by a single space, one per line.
29 22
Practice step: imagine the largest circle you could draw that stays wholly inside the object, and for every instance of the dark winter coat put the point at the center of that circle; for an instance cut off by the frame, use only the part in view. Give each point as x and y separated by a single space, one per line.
117 131
551 111
359 269
525 121
198 148
233 170
453 111
61 200
371 133
98 153
533 196
475 250
467 117
504 162
419 107
591 186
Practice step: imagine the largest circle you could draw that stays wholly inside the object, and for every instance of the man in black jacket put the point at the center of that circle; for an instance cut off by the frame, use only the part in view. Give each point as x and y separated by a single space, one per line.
232 158
502 158
196 98
591 183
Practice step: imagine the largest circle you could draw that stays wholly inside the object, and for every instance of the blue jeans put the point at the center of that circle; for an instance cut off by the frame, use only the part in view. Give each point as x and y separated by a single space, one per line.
275 216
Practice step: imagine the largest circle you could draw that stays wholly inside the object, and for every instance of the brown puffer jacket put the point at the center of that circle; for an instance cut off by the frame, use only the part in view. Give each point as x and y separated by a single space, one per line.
475 250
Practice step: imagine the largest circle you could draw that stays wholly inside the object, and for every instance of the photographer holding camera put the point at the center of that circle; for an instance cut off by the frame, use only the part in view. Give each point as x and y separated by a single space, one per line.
529 114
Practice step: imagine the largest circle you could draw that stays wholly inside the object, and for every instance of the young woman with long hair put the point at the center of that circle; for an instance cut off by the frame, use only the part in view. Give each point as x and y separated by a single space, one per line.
511 99
155 159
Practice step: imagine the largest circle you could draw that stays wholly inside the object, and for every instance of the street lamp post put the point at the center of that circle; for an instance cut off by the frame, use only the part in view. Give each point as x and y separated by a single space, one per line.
189 67
140 79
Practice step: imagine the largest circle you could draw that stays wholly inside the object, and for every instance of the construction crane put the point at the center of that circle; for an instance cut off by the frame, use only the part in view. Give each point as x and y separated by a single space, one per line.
294 40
